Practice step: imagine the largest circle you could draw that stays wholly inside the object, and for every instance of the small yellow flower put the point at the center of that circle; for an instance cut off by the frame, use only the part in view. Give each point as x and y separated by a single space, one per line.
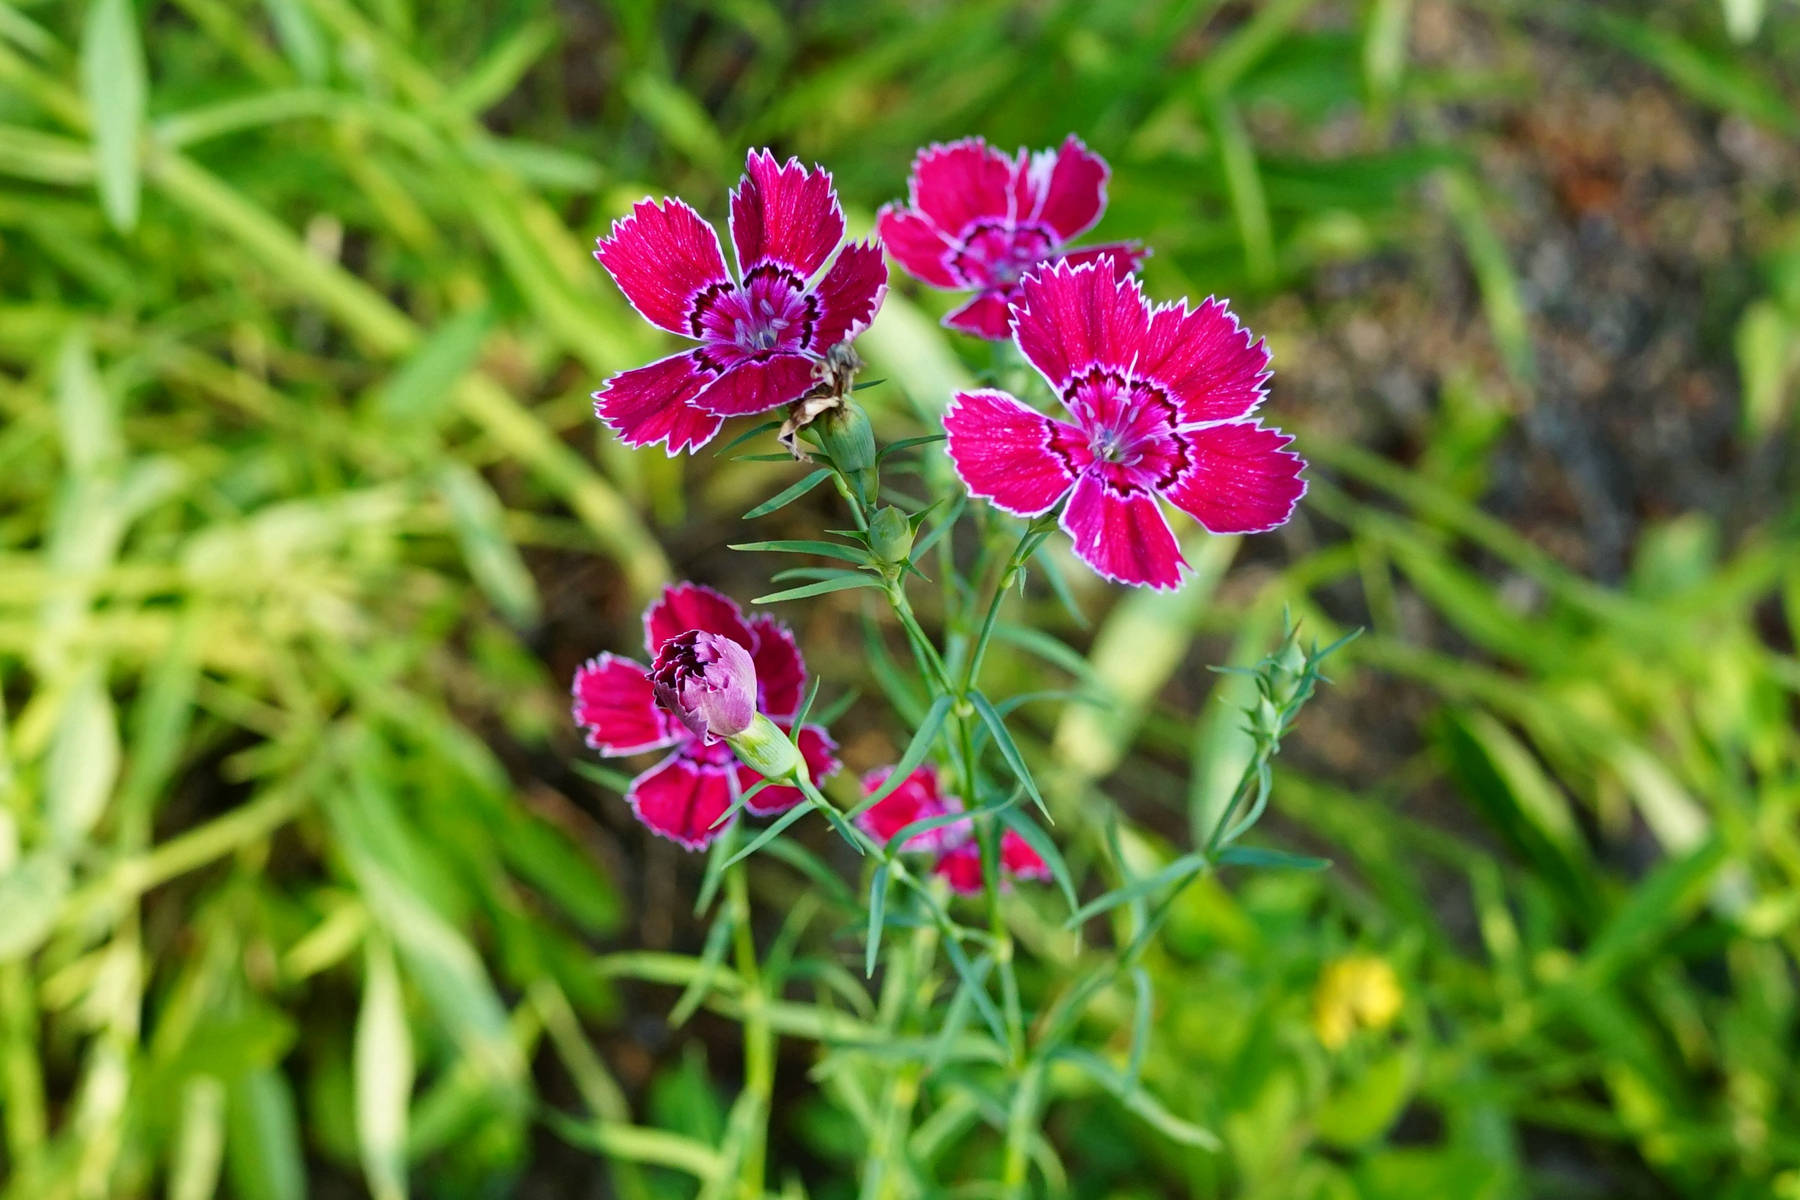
1357 990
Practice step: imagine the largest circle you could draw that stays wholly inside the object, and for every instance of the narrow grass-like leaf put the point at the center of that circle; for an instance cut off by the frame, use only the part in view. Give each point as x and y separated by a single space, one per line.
422 390
755 431
878 889
944 820
712 957
975 988
956 1016
1187 867
769 833
84 759
1138 1100
1009 750
384 1075
1142 998
1046 849
789 494
829 882
839 583
849 554
905 444
112 82
1257 856
493 561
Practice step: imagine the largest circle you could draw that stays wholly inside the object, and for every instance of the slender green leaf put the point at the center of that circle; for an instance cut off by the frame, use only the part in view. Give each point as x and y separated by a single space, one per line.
384 1075
789 494
840 583
113 83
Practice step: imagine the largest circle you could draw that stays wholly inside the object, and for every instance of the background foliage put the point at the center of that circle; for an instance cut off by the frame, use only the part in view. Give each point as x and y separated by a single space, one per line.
306 523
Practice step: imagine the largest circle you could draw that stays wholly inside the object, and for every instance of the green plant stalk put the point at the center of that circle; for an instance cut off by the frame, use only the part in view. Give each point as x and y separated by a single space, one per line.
1021 1123
759 1038
882 1179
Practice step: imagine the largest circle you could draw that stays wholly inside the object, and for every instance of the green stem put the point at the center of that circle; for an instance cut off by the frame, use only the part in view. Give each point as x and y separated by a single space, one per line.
759 1039
929 659
1027 546
1021 1123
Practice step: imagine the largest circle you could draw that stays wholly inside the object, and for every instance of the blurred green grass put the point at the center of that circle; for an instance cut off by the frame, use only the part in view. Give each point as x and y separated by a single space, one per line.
306 520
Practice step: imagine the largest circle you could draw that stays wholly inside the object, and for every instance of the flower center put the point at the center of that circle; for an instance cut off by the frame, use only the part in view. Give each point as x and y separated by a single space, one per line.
1130 427
1112 446
998 253
771 310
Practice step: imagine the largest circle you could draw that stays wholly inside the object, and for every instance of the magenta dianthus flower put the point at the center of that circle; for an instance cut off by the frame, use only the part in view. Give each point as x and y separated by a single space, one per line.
958 854
978 219
684 796
762 333
1161 399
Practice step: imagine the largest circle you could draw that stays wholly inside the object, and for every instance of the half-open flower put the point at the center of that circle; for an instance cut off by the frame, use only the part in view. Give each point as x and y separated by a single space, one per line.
708 682
763 333
687 795
976 218
1161 400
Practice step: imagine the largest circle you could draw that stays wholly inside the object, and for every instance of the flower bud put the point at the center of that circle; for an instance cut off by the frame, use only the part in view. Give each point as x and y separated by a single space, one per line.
890 535
708 682
844 432
766 750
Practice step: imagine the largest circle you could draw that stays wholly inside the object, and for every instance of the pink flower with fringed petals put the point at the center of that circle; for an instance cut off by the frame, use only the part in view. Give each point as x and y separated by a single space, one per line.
760 333
1161 399
958 854
684 796
915 798
979 219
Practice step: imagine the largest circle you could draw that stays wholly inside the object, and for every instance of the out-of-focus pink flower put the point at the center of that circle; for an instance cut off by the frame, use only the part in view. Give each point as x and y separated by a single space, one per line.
684 796
1162 401
960 865
761 333
958 854
916 798
976 218
708 682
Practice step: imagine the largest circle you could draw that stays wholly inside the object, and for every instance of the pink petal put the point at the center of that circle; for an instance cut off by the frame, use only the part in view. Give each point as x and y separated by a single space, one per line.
960 867
1010 454
850 294
780 671
1211 365
917 245
685 606
915 799
1122 534
784 214
1239 478
986 316
683 800
961 183
654 404
616 709
662 258
820 753
1126 257
1018 859
1070 187
758 385
1067 319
